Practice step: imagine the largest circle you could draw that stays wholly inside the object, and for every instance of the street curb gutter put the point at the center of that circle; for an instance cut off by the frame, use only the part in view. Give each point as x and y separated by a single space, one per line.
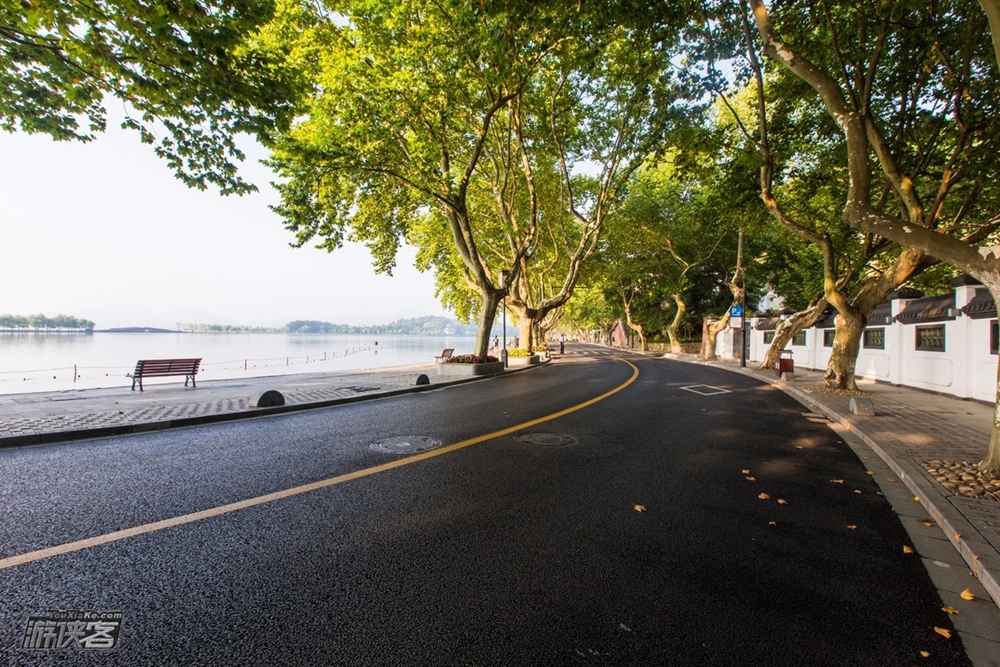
146 427
974 549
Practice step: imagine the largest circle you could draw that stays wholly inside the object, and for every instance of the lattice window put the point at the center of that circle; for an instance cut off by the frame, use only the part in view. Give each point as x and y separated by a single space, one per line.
874 339
930 339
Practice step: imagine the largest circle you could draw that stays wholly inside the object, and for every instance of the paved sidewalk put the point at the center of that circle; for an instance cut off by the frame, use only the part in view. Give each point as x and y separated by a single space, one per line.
912 432
36 418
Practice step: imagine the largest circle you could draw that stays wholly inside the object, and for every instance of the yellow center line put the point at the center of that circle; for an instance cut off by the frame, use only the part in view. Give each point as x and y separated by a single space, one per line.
98 540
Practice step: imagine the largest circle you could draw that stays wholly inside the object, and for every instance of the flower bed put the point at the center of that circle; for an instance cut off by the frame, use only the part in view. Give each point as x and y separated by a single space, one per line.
529 360
470 359
470 365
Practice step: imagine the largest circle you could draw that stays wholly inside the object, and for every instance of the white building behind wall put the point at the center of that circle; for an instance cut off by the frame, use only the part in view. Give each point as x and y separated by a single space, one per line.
945 343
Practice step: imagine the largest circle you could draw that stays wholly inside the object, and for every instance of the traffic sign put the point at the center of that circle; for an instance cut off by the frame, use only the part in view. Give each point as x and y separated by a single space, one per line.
736 311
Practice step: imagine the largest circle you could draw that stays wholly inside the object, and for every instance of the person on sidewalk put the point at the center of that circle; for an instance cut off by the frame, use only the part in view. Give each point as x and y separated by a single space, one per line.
562 343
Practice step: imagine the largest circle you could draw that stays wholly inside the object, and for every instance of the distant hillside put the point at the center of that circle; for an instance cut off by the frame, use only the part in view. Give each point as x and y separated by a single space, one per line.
414 326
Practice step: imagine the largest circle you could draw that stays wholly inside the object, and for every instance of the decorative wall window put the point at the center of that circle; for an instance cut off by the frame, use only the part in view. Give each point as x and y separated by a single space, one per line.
874 339
828 336
768 337
930 338
994 337
800 338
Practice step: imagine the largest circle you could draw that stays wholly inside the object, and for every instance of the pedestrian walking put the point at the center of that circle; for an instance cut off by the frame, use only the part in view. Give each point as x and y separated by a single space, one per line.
562 343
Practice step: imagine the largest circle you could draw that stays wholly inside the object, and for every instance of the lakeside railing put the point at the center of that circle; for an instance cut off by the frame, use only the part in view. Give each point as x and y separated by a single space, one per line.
77 373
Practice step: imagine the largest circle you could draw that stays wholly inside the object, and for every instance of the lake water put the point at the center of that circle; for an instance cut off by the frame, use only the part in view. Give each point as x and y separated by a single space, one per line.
32 362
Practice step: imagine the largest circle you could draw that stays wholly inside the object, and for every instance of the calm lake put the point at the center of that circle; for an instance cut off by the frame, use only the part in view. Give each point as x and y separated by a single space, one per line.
47 362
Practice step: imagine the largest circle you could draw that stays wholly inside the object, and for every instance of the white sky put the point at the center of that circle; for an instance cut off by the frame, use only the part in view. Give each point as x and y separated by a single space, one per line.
74 218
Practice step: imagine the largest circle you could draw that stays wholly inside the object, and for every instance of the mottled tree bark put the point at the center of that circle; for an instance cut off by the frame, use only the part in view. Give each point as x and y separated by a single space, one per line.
675 325
787 329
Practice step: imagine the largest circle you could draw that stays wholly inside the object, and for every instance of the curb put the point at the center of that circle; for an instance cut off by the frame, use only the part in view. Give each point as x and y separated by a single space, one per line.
51 437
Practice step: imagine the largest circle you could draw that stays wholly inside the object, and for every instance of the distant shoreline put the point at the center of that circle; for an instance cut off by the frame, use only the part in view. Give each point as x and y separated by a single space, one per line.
137 330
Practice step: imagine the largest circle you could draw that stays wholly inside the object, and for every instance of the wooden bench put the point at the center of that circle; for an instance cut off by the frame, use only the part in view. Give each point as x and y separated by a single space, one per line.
445 354
163 368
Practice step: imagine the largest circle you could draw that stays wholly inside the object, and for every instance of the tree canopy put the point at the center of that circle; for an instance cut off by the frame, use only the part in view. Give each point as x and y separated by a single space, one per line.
443 114
191 75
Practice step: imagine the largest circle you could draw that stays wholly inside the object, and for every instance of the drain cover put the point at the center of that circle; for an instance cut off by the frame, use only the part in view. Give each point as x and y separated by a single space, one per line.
406 444
546 439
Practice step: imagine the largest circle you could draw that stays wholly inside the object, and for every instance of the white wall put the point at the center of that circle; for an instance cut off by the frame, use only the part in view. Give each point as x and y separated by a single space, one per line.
965 369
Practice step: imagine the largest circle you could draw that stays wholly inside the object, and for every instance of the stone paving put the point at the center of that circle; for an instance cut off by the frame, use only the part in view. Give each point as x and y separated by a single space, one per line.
12 426
26 417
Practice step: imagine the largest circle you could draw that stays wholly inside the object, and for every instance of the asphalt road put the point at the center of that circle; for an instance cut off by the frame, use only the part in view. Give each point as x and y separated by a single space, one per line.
489 551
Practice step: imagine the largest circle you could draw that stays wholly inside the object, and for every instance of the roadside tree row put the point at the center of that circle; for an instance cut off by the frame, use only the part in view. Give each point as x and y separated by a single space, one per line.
658 162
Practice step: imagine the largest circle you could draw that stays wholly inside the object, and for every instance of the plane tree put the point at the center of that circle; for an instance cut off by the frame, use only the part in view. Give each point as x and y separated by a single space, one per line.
801 179
439 115
914 90
667 230
191 76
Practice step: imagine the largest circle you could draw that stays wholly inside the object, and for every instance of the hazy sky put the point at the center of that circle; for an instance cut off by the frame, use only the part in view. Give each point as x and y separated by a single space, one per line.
105 232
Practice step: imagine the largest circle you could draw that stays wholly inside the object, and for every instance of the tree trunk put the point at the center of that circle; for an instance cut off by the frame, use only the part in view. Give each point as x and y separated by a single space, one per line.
526 324
526 334
487 315
846 344
990 464
675 325
634 326
788 328
637 328
710 334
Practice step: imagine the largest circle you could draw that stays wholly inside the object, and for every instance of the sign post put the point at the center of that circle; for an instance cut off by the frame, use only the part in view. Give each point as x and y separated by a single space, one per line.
737 321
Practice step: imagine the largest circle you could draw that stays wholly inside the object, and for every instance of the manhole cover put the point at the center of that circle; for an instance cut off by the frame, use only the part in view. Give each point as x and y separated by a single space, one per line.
406 444
546 439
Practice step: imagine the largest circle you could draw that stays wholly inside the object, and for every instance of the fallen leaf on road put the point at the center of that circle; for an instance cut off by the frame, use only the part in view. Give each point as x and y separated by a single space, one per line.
751 479
944 632
799 447
928 522
958 537
869 472
916 499
951 610
857 490
852 527
746 472
782 501
975 562
772 523
967 595
907 550
764 496
640 508
837 481
925 654
893 480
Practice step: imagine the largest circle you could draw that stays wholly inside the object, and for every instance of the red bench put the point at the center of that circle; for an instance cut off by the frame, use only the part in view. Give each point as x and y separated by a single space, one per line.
163 368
